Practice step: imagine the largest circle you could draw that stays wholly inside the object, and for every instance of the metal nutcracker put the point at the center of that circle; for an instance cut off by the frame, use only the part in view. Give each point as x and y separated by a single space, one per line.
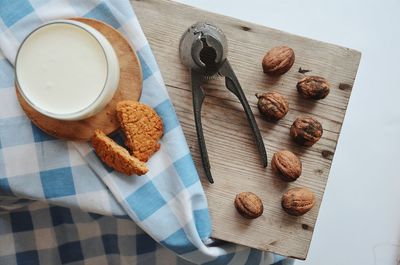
203 49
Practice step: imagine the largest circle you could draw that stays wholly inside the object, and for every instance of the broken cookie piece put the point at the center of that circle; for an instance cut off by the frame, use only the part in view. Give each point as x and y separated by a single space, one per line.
116 156
142 128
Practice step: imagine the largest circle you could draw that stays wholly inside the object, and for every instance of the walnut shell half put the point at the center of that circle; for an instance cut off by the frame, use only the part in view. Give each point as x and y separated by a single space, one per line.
314 87
278 60
298 201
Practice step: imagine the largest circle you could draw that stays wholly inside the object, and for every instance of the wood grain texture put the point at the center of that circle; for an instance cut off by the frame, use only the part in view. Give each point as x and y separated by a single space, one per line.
234 159
130 87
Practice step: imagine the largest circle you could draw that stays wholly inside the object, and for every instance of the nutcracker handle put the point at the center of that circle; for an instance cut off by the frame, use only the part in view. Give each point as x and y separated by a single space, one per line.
233 85
198 98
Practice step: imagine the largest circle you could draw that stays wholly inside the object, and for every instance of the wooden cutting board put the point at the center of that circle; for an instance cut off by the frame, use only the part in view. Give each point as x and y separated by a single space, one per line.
234 159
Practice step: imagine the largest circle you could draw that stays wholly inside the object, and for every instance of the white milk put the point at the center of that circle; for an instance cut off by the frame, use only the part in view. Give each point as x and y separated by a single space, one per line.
61 68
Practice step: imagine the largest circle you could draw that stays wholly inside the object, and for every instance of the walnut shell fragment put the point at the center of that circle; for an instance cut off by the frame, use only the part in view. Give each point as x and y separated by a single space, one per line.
287 164
314 87
306 131
249 205
273 105
298 201
278 60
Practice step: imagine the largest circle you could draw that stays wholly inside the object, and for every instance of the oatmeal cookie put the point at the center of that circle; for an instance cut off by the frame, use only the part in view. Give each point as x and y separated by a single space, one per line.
116 156
142 128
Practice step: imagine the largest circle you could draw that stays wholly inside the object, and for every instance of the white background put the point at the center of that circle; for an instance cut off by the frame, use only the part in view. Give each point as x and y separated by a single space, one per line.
359 219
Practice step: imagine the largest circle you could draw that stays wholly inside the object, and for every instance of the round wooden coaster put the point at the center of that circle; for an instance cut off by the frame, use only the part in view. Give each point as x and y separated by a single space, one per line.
130 87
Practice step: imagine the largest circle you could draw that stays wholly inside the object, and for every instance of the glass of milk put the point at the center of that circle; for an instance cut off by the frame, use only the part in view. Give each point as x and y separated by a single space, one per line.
67 70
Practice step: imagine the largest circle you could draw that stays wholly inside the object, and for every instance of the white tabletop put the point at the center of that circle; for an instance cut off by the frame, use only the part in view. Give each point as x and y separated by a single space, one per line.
359 220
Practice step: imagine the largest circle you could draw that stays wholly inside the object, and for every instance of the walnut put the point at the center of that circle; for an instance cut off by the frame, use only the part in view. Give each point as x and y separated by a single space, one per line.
306 131
287 164
278 60
272 105
298 201
249 205
314 87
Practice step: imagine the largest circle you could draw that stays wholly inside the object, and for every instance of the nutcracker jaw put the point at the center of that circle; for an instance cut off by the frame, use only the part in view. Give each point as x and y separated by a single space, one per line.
203 49
203 43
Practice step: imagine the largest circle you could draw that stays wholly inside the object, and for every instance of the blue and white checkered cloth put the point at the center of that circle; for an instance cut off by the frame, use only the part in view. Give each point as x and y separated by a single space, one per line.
38 172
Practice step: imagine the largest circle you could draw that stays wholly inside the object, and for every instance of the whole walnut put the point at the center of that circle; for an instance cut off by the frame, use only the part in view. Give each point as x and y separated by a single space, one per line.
306 131
298 201
278 60
272 105
249 205
314 87
287 164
